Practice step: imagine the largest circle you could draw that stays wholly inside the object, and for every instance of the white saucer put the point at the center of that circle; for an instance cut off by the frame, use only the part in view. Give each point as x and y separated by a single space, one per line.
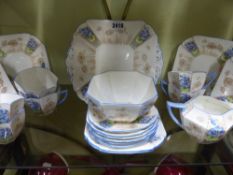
158 139
115 127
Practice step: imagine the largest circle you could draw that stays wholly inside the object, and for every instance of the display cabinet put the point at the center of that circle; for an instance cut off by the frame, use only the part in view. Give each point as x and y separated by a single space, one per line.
54 22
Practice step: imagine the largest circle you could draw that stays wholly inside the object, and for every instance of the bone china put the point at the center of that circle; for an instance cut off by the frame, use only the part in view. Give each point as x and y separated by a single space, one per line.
205 118
121 96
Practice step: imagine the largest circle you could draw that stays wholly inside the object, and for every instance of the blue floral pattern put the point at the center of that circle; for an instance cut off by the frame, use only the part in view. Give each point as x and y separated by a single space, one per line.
35 106
226 98
184 83
31 45
215 132
227 55
5 133
87 33
191 47
106 123
143 35
4 118
184 98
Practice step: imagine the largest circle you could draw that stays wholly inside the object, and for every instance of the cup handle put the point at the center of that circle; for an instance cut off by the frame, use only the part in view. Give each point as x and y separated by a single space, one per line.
211 77
164 86
64 95
171 105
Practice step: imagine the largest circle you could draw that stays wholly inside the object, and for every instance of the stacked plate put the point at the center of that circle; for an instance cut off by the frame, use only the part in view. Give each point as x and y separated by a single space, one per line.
114 67
143 135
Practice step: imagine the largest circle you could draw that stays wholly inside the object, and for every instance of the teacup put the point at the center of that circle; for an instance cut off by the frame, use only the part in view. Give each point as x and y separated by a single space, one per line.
10 104
35 82
47 104
205 118
183 86
9 131
121 96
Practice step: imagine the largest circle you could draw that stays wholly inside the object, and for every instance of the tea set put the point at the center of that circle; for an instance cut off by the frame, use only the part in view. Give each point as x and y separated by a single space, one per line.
25 78
115 69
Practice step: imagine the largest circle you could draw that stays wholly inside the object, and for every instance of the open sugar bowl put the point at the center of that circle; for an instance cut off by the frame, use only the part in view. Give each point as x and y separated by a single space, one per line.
35 82
205 118
121 96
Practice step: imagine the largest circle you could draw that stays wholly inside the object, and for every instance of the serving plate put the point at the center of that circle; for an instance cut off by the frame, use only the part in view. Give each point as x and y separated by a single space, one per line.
21 51
202 53
103 45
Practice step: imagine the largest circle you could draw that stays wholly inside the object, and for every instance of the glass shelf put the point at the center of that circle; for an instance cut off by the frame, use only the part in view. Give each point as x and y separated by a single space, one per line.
62 132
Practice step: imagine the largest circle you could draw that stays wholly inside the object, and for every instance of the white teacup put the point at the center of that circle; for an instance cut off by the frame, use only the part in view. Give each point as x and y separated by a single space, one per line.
47 104
184 85
35 82
205 118
121 96
10 104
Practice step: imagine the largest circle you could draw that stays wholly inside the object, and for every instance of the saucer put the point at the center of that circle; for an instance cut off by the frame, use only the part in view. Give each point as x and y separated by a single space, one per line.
156 140
122 143
124 136
115 127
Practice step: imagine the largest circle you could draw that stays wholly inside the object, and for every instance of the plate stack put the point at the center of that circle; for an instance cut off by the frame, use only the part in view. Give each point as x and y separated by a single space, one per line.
143 135
114 67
